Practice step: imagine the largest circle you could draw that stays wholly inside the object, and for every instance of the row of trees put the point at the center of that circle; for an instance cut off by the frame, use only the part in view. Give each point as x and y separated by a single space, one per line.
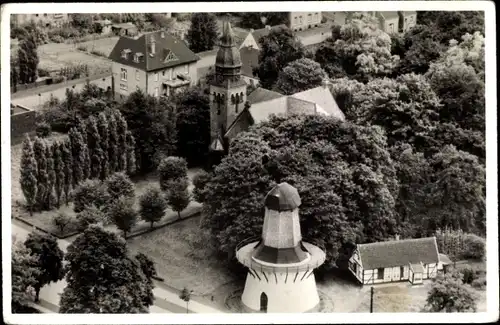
94 149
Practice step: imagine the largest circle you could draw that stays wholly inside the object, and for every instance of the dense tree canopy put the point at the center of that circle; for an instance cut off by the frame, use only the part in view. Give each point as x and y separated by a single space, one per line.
25 272
300 75
278 49
202 35
359 49
28 60
450 294
347 186
102 277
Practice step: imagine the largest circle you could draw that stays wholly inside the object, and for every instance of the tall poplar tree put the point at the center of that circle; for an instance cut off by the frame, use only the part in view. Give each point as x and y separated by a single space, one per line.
42 177
28 60
59 172
122 141
94 145
67 158
102 126
29 173
131 162
202 35
112 142
77 147
51 177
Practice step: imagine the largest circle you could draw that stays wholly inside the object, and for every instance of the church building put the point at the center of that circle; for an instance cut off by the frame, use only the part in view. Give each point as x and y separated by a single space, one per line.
232 112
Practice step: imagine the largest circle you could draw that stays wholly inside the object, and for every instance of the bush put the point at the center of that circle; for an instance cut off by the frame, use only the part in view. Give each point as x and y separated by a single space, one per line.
119 184
171 169
56 39
90 215
82 48
88 193
61 221
43 129
98 53
474 247
479 283
59 119
468 275
43 72
199 182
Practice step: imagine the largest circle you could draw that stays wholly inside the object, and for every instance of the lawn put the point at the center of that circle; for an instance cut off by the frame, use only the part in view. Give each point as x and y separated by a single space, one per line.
104 45
182 257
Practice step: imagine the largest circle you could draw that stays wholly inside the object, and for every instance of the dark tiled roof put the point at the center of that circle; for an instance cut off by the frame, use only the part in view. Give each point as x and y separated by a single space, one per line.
259 33
283 197
262 95
249 60
398 253
389 14
164 46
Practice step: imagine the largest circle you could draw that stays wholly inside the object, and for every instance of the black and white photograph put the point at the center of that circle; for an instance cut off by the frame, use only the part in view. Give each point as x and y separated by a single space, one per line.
229 165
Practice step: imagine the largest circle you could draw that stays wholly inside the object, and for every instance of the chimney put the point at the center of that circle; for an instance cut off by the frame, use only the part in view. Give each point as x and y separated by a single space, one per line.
397 237
268 27
153 45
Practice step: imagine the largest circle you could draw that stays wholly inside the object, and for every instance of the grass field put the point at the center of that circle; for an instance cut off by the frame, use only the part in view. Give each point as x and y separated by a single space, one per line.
182 257
104 45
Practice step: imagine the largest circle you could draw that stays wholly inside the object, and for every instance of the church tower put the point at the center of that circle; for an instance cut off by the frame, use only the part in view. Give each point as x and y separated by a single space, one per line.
228 91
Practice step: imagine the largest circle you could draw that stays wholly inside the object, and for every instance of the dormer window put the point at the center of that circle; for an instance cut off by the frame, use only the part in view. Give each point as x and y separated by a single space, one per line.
138 57
170 56
125 53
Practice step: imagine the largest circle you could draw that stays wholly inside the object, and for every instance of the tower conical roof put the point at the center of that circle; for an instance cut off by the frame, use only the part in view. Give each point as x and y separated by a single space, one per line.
228 55
283 197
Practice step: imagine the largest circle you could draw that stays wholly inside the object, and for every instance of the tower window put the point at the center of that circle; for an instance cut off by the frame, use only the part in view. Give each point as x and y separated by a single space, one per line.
232 99
215 97
241 97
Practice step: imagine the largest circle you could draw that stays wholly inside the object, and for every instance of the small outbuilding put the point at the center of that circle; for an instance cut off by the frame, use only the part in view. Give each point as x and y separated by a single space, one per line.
410 260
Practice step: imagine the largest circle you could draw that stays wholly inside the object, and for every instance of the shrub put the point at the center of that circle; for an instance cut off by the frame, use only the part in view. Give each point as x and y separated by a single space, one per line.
98 53
119 184
43 129
199 182
468 275
82 48
171 169
474 247
43 72
61 221
88 193
90 215
479 283
56 39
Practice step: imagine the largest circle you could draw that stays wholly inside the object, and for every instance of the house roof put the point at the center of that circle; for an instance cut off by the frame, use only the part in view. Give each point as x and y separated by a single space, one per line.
322 97
259 33
417 268
408 13
165 46
389 14
240 35
444 259
398 252
262 95
249 60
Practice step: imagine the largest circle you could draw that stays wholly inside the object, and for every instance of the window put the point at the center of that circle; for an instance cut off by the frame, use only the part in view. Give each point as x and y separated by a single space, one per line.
137 76
401 271
123 87
309 18
156 76
241 97
300 19
124 74
157 92
45 15
391 28
36 15
316 17
295 20
186 69
380 274
233 99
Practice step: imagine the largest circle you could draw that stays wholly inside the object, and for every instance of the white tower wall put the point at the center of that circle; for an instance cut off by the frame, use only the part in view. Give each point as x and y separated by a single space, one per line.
283 294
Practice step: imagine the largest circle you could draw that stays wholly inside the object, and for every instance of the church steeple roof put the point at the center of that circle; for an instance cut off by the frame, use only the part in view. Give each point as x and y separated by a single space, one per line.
228 55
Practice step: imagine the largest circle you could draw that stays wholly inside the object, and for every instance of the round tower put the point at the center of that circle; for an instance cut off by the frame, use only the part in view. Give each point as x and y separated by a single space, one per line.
280 265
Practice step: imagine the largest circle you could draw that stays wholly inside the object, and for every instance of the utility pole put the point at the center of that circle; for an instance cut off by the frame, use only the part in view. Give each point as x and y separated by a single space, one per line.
371 300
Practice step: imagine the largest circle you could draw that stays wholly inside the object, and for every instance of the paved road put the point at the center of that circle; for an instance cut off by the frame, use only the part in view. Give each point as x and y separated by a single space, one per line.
166 301
33 101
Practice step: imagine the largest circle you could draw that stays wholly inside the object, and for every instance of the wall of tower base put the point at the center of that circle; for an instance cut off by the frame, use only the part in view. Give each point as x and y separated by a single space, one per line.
293 292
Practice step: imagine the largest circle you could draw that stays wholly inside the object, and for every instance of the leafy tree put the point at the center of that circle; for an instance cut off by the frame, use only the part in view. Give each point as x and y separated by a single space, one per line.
81 21
202 35
343 172
24 275
152 205
123 214
274 18
475 247
78 148
103 127
178 196
200 180
49 258
42 176
94 144
14 73
456 193
28 60
99 270
186 296
61 221
43 129
88 193
193 108
359 49
160 21
59 172
278 49
251 20
152 124
119 184
51 177
148 269
449 294
130 154
113 148
300 75
28 170
121 128
448 25
67 158
171 169
89 216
